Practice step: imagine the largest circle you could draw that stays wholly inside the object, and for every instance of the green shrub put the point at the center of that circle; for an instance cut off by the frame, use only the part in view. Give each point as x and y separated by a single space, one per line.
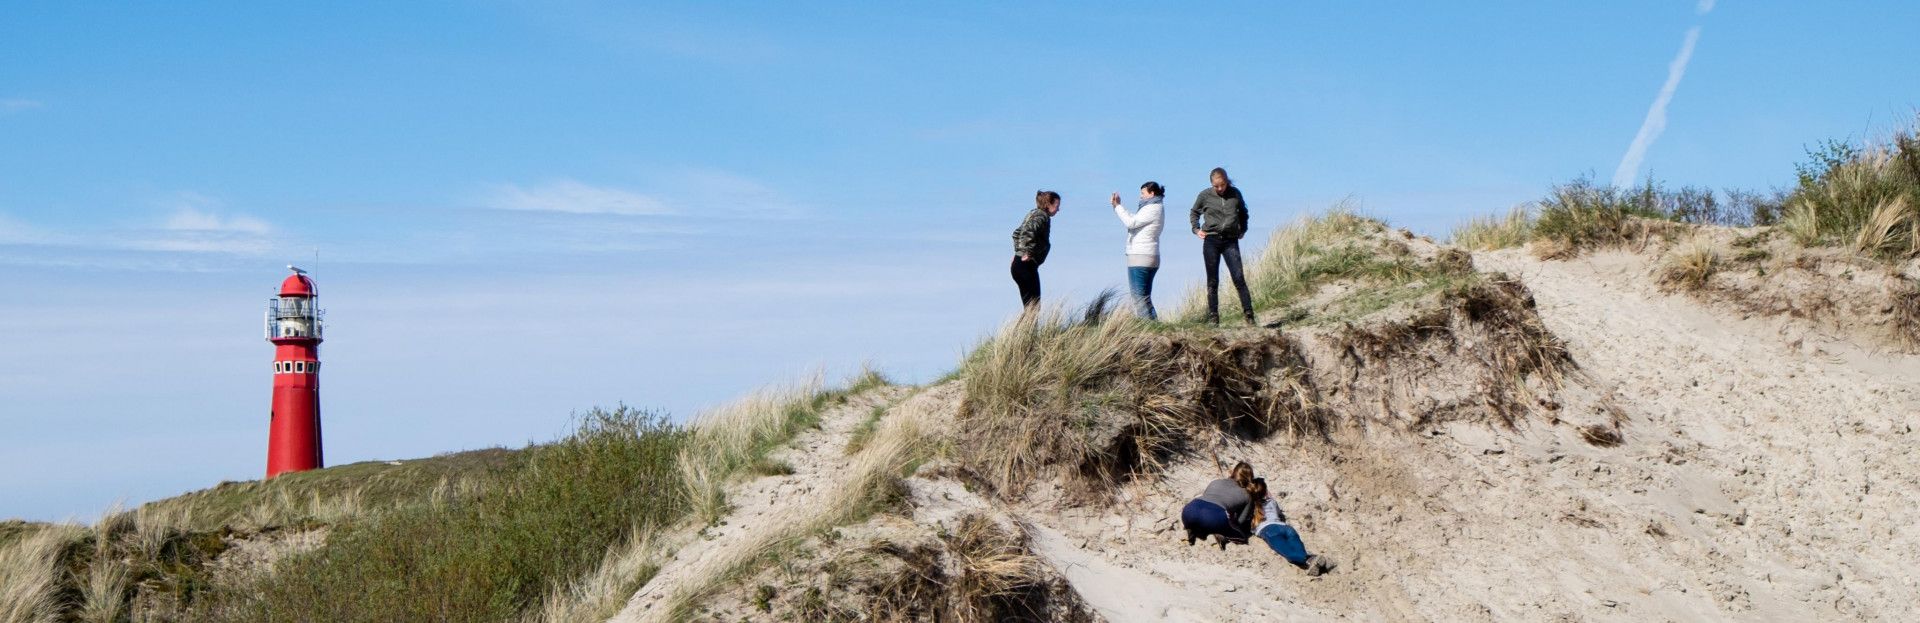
549 517
1865 198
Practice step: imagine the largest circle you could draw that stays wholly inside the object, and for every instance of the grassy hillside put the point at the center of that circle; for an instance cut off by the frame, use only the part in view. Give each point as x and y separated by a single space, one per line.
487 535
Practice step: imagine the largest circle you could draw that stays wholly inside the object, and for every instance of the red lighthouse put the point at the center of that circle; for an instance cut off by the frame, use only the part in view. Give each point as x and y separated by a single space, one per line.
293 325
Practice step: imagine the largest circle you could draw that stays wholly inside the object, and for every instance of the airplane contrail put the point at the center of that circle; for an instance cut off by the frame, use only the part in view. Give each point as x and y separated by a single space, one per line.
1656 121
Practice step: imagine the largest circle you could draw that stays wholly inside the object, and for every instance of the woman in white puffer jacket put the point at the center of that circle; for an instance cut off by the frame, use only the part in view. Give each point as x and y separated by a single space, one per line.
1143 242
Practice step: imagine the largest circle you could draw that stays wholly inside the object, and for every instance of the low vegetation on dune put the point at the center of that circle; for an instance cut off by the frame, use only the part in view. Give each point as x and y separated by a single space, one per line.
485 535
1581 216
1860 197
488 552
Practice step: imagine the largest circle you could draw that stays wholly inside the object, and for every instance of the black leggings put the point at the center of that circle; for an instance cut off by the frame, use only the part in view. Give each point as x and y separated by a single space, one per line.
1212 250
1026 274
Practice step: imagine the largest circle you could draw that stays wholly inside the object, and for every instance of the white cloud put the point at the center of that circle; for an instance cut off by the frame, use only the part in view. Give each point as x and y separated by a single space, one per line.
1656 121
203 243
1703 7
198 226
194 220
574 197
17 105
194 226
14 231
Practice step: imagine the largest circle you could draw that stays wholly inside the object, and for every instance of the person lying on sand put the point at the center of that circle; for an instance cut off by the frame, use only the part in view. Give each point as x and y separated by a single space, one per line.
1223 511
1271 526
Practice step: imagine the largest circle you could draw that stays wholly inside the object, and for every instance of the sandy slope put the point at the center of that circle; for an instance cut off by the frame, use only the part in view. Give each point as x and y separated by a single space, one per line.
1767 476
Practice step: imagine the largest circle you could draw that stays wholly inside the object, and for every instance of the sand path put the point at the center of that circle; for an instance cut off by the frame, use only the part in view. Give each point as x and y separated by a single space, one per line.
818 458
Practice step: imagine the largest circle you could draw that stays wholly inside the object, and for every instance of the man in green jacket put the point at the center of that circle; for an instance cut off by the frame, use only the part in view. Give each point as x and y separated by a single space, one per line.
1219 218
1031 242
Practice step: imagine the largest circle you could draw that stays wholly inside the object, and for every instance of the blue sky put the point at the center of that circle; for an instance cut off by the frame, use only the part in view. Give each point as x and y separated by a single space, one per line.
521 211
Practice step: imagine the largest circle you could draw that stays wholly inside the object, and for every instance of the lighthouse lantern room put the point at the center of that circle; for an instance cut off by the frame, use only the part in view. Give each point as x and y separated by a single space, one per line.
294 326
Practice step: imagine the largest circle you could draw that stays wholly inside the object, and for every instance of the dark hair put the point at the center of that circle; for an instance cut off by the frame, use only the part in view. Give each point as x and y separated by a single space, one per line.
1222 173
1258 489
1045 198
1153 188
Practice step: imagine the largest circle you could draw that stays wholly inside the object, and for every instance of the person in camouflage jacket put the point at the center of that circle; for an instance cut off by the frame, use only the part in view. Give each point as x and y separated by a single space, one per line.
1031 243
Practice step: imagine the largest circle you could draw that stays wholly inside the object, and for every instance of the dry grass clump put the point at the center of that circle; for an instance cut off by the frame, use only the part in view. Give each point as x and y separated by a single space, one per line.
1865 198
1039 392
32 570
1689 268
599 594
1487 233
106 589
1000 579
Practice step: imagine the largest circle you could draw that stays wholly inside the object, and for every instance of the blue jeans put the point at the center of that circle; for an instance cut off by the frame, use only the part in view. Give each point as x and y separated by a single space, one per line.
1140 278
1285 541
1204 519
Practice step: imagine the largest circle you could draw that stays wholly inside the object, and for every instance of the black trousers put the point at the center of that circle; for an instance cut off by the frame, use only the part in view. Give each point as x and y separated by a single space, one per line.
1213 250
1026 274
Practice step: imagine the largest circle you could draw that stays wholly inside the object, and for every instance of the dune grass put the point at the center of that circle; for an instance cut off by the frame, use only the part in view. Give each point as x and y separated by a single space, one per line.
31 570
1690 267
320 495
536 524
1026 404
1863 198
1580 216
1486 233
863 432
